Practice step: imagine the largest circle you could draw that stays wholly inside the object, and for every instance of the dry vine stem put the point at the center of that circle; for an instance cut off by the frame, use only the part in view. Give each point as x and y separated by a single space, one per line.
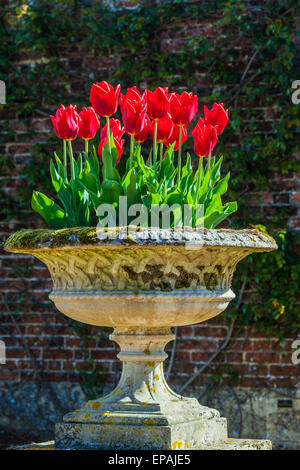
221 348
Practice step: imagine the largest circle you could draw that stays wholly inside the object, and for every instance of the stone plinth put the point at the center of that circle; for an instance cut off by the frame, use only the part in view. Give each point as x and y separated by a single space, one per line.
229 444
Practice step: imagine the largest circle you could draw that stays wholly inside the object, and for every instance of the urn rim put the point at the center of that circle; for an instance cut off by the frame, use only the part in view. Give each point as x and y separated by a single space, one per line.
27 240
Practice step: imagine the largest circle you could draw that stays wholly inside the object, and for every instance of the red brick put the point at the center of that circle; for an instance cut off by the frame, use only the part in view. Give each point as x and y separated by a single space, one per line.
200 356
296 197
103 354
15 353
9 375
233 357
252 382
58 354
185 331
210 331
285 370
71 342
264 357
184 367
52 365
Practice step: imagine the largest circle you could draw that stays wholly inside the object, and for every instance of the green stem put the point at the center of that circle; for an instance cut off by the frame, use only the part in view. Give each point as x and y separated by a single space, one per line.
86 146
65 162
131 150
73 186
154 141
200 168
209 158
108 133
161 151
71 160
179 154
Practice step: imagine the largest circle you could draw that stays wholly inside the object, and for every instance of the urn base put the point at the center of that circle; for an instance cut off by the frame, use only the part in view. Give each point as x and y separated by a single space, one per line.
146 436
229 444
142 412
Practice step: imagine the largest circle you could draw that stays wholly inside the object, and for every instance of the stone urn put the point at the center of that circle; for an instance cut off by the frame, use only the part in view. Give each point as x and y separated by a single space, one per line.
142 284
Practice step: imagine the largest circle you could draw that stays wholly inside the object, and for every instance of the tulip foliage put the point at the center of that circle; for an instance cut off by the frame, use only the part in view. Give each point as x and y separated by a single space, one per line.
85 182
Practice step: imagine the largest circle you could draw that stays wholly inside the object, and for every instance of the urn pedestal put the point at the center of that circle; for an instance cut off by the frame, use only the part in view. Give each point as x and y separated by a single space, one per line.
142 284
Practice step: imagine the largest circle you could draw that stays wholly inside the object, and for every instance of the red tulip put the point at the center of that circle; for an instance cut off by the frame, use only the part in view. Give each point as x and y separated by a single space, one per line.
66 122
164 128
157 102
174 137
143 135
115 127
132 94
104 98
133 114
216 117
89 124
119 146
183 108
205 139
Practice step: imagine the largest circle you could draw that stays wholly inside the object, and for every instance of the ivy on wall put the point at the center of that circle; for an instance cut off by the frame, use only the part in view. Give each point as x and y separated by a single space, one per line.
209 60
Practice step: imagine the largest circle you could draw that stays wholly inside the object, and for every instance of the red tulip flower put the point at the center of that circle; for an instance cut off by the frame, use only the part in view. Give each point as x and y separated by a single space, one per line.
115 127
132 94
143 134
205 139
104 98
164 128
183 108
216 117
89 124
66 122
133 114
157 102
119 146
174 137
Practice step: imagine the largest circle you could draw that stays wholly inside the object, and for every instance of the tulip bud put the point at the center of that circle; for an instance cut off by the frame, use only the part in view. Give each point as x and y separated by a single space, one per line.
164 128
183 108
157 102
89 124
133 114
66 122
104 98
216 117
132 94
205 139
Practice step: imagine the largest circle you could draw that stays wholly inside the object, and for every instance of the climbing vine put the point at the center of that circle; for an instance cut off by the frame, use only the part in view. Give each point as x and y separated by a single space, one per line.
222 50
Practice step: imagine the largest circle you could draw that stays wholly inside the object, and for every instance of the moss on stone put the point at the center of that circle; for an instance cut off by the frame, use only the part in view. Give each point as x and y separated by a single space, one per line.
45 238
41 238
28 239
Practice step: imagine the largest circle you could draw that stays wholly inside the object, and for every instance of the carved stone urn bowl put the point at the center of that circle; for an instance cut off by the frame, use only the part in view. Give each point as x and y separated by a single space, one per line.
142 283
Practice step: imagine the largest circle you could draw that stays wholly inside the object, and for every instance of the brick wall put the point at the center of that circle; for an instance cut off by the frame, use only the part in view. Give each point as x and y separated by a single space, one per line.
40 341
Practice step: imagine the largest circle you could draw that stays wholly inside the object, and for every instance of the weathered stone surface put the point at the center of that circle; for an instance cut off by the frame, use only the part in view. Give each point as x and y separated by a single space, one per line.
189 435
229 444
141 284
88 236
167 277
249 412
142 411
